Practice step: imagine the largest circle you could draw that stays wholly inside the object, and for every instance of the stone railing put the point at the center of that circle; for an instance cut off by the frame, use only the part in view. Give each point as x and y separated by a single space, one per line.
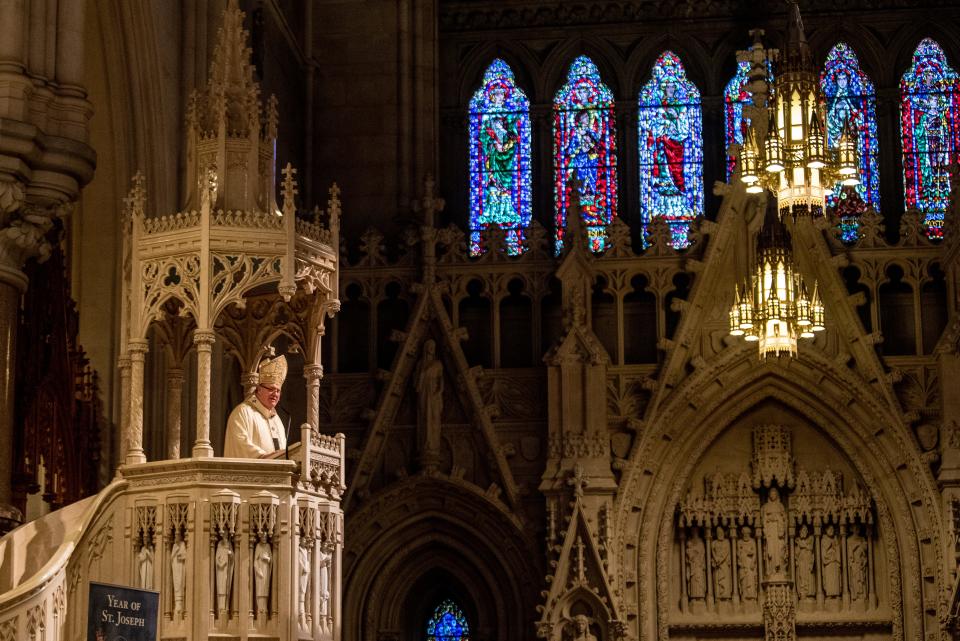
236 548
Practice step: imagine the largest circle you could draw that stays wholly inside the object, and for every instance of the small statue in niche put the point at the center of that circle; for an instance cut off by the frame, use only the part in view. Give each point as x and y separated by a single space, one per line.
145 564
325 560
830 562
720 561
579 629
774 517
429 387
857 551
262 566
747 563
223 565
178 563
303 559
805 561
696 567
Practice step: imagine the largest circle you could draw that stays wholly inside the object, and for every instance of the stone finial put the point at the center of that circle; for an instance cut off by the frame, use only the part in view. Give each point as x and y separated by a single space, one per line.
430 203
134 205
288 189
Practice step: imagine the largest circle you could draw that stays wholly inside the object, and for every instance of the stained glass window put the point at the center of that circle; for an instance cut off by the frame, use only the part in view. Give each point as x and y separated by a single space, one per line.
670 148
500 192
584 144
930 132
735 97
851 105
448 623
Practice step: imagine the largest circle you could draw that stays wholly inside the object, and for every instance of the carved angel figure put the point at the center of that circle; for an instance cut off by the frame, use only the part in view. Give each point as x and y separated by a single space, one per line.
696 566
178 562
720 561
830 561
747 564
303 558
145 566
806 586
325 560
223 565
857 550
262 566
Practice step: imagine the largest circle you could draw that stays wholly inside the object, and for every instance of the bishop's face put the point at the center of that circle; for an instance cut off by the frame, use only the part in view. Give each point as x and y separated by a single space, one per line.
268 395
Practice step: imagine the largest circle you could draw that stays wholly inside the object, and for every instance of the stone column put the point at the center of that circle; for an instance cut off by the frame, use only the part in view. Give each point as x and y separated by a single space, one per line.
313 374
137 348
249 382
123 364
174 413
203 339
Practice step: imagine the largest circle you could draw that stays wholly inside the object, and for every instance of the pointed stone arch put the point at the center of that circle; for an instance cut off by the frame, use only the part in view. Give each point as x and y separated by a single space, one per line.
833 399
423 525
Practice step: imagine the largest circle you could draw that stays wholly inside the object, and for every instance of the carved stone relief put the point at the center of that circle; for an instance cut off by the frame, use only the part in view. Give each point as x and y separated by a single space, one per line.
783 541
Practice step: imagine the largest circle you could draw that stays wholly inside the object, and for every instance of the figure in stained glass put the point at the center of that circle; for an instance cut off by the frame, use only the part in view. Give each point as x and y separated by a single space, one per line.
735 97
930 132
851 108
584 146
670 148
448 623
500 189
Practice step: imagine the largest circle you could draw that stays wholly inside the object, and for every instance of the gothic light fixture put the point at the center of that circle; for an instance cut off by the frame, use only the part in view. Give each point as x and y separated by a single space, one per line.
776 309
790 156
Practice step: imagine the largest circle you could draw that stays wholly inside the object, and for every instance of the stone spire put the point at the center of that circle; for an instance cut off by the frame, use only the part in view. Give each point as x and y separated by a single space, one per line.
797 55
229 131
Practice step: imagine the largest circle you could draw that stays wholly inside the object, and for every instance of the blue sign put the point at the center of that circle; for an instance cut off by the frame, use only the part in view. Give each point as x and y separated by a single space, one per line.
118 613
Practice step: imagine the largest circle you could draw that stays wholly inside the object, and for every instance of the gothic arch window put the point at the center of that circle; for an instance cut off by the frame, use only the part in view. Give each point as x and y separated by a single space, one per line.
930 132
448 623
584 144
735 97
500 184
851 105
670 148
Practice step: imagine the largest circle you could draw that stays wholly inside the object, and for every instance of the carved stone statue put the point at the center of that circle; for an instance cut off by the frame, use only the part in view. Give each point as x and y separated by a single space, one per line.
145 566
178 563
805 561
581 629
325 560
830 561
857 552
223 565
303 559
747 564
696 567
774 517
720 561
429 387
262 566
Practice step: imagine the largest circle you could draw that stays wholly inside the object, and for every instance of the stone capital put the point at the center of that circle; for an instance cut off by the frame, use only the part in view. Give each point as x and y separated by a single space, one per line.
205 337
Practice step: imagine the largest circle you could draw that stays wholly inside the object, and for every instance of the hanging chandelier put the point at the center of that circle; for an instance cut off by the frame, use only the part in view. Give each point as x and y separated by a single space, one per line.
789 156
776 309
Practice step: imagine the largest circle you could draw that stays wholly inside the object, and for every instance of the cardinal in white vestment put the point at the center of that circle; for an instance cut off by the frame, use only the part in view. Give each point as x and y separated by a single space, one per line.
254 430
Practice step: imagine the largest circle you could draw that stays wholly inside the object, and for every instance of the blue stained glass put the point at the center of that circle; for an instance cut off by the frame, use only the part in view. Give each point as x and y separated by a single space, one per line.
929 132
670 146
735 97
585 144
500 189
851 104
448 623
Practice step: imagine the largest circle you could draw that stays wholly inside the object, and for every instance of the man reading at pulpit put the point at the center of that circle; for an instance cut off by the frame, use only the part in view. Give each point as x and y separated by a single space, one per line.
254 430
